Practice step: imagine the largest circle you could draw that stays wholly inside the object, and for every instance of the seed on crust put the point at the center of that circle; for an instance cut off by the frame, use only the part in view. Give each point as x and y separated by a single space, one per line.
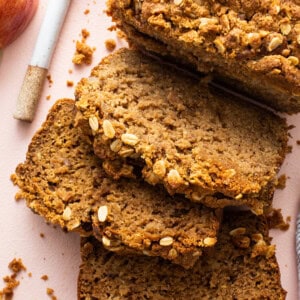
67 214
274 43
293 60
172 253
108 129
174 178
102 213
257 237
129 139
209 241
166 241
285 28
178 2
126 151
238 231
159 168
93 122
106 241
116 145
239 196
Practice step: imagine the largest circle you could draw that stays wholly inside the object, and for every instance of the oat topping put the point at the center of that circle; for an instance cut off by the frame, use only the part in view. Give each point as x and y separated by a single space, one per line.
67 214
93 122
129 139
106 241
102 213
116 145
166 241
108 129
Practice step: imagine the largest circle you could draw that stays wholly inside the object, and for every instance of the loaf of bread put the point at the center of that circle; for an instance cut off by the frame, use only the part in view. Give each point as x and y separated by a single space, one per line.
63 181
212 147
253 46
241 266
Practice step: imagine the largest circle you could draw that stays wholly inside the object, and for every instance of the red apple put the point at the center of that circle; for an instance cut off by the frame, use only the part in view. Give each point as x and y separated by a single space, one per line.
14 18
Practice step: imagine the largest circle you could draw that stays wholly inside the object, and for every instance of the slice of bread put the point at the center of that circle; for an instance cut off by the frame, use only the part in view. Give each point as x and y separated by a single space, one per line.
63 181
212 147
253 46
241 266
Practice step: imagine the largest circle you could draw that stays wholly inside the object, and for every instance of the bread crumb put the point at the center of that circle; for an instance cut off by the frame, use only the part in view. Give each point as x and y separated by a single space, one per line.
45 277
276 221
70 83
110 44
70 71
42 235
48 97
83 54
112 28
121 34
85 33
281 182
49 78
86 12
50 292
29 274
8 291
16 266
298 142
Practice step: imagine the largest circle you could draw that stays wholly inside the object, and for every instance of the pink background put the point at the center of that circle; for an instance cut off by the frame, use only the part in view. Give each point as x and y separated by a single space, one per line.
57 254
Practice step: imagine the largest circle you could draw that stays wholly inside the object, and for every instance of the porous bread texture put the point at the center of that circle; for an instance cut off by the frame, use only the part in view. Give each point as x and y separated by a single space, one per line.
60 175
213 148
63 181
241 266
254 46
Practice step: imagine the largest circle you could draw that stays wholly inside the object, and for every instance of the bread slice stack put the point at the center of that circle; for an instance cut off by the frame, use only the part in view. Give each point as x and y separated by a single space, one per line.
142 165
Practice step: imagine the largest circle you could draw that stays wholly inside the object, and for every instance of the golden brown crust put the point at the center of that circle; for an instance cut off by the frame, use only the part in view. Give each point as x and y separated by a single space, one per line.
252 43
204 144
63 181
241 266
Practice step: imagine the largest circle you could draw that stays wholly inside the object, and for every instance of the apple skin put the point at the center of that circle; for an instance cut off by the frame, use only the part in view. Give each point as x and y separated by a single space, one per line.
15 15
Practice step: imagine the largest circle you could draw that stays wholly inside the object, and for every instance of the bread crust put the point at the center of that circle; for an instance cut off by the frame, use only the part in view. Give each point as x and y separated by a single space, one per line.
252 46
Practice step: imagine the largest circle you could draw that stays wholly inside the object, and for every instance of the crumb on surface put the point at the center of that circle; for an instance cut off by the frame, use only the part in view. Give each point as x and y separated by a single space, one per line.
29 274
289 149
276 221
110 44
70 71
49 78
10 284
48 97
121 34
281 182
112 28
83 54
85 33
42 235
298 142
70 83
44 277
50 292
86 12
16 266
18 195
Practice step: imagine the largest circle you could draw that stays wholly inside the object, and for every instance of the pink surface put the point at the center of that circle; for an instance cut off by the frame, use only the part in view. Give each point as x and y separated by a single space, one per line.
57 254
